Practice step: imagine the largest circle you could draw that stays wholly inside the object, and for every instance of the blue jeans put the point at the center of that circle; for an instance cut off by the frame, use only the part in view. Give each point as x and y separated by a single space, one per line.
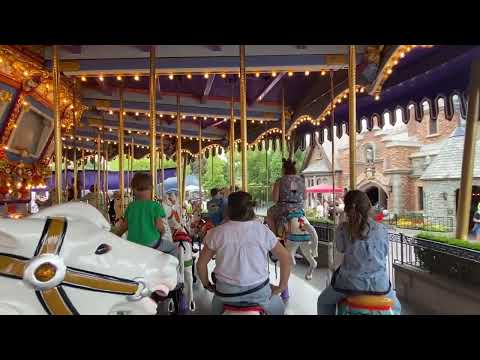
273 305
328 299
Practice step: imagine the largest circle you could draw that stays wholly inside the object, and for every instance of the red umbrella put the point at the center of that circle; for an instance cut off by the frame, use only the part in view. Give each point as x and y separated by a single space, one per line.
323 189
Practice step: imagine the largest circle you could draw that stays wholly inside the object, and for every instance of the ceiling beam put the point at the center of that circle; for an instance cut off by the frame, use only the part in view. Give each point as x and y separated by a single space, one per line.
142 48
260 96
73 49
208 88
215 48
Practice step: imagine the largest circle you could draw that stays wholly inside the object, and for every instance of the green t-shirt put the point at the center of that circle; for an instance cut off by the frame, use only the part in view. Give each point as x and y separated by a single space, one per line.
141 216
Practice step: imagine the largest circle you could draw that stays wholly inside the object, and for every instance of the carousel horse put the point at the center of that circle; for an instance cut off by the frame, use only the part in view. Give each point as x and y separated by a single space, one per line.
199 228
299 233
186 260
64 260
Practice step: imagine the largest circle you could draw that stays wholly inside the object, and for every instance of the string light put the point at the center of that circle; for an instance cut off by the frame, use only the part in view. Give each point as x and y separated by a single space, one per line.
161 115
110 112
101 78
25 73
170 76
224 76
136 114
377 97
290 73
307 73
172 116
205 75
189 76
136 78
389 71
274 73
257 74
83 78
323 73
124 113
119 78
194 118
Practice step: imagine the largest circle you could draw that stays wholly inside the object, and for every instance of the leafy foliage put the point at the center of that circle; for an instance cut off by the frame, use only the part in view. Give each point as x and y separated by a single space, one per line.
448 240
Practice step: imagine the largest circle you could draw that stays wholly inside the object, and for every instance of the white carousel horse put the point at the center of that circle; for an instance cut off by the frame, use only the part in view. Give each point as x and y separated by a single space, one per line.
63 260
301 234
184 250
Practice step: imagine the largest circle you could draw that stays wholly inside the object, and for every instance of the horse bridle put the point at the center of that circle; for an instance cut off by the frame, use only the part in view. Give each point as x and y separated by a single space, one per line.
47 273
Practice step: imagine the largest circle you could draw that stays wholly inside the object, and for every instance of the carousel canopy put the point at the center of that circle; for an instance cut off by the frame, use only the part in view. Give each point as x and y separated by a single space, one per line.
204 80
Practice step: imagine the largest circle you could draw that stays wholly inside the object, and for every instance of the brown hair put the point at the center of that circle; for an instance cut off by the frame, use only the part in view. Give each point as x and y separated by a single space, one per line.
240 206
141 182
358 208
288 167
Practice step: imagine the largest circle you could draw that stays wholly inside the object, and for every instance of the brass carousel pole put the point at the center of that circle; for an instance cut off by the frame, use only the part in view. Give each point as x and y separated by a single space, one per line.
153 125
132 152
200 158
243 117
352 118
65 166
232 145
83 170
161 155
179 157
471 130
332 128
75 166
121 129
284 142
99 169
57 135
129 160
184 173
105 177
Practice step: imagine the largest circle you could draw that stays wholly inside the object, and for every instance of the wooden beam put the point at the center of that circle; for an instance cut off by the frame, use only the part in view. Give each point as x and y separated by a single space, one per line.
267 89
73 49
208 88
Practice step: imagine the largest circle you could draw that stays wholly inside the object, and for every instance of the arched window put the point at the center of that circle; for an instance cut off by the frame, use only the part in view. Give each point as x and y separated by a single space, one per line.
369 153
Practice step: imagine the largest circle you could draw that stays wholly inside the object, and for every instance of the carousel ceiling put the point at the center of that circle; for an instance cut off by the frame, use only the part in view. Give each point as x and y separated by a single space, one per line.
204 79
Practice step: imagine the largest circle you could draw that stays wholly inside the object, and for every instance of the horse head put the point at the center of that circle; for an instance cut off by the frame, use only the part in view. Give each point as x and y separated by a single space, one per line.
64 260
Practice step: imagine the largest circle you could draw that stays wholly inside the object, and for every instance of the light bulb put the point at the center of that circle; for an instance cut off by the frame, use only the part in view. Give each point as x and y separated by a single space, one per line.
205 76
110 112
224 76
377 97
119 78
170 76
290 73
274 73
101 78
136 78
189 76
257 74
83 78
307 73
323 73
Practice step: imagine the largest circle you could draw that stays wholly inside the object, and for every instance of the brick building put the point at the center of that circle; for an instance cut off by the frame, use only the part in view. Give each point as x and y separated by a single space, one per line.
413 167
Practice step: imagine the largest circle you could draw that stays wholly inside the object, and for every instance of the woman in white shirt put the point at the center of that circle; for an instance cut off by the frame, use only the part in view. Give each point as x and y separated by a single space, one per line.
241 247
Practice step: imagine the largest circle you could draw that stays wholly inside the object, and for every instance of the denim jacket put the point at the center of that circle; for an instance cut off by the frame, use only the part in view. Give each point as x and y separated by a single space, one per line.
364 265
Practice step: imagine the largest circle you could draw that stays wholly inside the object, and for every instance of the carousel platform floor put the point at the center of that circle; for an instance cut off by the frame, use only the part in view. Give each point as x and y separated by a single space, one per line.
303 293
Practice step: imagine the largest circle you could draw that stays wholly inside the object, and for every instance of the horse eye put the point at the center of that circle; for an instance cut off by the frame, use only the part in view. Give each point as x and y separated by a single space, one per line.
103 249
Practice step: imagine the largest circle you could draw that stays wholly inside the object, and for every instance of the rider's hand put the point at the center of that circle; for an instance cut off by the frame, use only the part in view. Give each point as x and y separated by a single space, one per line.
276 290
210 287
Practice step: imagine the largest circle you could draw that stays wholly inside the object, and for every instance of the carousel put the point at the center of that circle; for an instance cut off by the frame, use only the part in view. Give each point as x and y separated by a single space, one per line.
66 106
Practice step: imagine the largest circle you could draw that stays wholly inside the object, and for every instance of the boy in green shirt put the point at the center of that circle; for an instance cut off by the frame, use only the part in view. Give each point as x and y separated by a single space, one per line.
143 217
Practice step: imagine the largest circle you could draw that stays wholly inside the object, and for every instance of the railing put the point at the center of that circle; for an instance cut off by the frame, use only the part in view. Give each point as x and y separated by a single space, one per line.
453 261
420 222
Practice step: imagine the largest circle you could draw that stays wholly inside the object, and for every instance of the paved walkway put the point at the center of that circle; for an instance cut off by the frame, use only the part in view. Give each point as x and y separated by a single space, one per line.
303 293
